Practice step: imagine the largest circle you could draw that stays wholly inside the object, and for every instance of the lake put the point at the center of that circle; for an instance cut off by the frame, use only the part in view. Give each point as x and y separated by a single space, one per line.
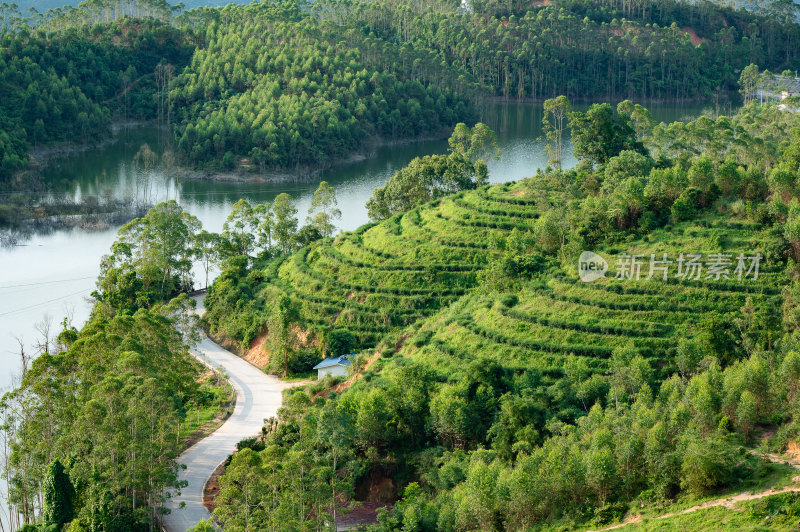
50 276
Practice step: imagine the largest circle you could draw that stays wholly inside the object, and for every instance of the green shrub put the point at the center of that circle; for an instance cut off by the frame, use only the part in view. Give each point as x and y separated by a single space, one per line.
708 464
509 300
251 443
302 361
422 338
340 342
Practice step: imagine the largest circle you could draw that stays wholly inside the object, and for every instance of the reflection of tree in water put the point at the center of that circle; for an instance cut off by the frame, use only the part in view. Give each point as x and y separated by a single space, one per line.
40 210
144 161
20 219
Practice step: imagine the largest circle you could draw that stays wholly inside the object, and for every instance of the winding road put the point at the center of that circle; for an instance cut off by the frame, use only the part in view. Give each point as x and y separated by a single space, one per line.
258 397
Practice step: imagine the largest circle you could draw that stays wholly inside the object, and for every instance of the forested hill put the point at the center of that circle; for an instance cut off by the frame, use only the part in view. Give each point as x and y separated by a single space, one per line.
588 49
44 5
292 85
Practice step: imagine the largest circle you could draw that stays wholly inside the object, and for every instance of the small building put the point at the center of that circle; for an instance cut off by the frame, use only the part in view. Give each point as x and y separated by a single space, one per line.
777 88
334 366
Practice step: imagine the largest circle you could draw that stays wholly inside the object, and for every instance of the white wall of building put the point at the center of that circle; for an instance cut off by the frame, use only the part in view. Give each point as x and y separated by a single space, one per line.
335 371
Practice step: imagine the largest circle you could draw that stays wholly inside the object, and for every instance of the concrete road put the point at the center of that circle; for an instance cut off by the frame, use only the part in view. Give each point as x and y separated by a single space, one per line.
258 396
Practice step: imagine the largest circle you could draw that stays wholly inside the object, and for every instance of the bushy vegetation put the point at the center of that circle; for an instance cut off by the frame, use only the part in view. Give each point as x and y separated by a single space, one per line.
93 430
95 425
614 50
510 394
300 94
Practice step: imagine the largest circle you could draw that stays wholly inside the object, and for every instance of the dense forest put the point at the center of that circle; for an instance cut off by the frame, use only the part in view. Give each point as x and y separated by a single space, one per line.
59 82
325 78
302 93
494 389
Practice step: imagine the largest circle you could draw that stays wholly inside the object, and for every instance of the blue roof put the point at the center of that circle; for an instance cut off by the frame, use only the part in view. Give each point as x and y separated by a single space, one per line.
343 360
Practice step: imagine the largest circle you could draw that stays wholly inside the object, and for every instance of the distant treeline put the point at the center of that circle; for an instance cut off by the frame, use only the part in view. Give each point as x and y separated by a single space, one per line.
282 84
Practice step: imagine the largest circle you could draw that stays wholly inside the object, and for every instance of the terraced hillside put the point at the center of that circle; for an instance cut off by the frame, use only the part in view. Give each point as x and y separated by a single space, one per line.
497 370
556 316
382 278
385 277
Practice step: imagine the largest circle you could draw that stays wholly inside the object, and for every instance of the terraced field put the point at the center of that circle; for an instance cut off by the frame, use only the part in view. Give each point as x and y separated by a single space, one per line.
382 278
386 277
556 316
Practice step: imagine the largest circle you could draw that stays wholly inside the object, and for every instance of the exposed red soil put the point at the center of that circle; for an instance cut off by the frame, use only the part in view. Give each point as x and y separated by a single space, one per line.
211 489
258 355
349 382
361 514
693 36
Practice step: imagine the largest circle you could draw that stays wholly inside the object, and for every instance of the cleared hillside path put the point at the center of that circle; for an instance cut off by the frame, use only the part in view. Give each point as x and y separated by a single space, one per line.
258 397
731 501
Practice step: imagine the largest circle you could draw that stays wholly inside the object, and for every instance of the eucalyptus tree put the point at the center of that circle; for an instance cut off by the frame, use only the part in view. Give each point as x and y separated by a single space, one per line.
324 202
239 229
151 260
285 222
207 251
554 122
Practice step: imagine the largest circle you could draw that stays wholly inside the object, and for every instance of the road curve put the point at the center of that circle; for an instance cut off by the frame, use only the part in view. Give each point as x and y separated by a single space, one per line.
258 397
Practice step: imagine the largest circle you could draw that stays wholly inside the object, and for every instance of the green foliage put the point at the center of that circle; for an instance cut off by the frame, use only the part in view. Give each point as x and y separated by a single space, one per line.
307 93
582 49
59 495
340 342
554 122
707 464
602 133
324 202
434 176
65 81
111 406
517 395
205 525
150 261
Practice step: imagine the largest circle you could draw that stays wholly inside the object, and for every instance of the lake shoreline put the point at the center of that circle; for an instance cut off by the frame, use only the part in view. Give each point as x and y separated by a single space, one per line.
44 156
642 101
304 173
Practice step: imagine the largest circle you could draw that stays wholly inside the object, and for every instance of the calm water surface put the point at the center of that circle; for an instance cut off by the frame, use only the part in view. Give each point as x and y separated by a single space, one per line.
52 275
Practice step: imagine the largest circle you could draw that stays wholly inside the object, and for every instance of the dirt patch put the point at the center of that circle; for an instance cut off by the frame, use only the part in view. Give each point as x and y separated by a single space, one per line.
398 345
693 36
628 521
211 489
519 192
793 450
258 354
361 514
205 376
304 338
349 382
